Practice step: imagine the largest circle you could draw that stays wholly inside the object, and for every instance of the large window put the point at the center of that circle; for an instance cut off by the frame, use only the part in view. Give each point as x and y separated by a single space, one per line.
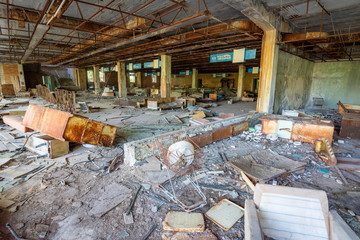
132 77
90 75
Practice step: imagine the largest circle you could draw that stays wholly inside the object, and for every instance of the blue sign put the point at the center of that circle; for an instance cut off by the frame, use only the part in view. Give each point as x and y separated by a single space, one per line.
149 65
220 75
152 74
250 54
106 69
113 69
134 66
222 57
184 73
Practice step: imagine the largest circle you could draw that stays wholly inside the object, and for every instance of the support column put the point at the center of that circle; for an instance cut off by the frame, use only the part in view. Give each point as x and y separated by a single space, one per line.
268 69
195 82
121 76
96 79
165 83
81 79
241 78
138 79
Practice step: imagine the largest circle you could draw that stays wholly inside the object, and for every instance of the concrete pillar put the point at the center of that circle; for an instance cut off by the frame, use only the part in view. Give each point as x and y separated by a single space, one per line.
81 79
138 79
165 82
121 76
195 82
96 79
21 77
268 69
241 80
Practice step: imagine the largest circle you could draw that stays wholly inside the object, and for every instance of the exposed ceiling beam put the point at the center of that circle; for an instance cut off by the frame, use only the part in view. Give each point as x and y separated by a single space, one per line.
265 18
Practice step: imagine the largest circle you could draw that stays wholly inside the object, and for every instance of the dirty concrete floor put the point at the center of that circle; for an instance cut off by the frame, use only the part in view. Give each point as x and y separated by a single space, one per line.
61 201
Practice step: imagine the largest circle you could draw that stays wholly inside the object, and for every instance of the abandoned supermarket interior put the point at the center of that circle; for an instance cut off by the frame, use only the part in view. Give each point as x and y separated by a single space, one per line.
179 119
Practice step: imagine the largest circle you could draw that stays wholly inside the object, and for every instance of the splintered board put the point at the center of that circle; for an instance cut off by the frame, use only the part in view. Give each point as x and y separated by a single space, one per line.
263 165
12 173
254 170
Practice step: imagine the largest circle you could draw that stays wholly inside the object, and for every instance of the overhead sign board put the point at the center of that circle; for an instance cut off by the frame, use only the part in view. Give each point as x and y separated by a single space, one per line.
221 57
237 56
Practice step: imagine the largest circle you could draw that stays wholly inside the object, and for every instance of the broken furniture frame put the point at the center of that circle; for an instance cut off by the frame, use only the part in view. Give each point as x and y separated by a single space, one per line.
173 195
185 171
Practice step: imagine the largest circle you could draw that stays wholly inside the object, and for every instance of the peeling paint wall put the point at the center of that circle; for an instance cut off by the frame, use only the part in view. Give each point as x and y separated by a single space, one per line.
293 82
336 81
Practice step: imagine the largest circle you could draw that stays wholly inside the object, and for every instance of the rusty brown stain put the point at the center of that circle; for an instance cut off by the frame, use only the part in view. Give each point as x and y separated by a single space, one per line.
92 132
46 120
75 129
108 135
203 139
268 126
222 133
313 130
350 125
240 127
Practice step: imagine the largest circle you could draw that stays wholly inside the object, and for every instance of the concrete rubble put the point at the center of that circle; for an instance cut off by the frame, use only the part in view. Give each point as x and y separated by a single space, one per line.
86 192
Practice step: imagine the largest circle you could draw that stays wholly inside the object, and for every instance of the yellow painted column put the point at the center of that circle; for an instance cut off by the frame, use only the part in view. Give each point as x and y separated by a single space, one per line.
138 79
195 82
82 83
241 78
165 82
268 69
96 79
121 76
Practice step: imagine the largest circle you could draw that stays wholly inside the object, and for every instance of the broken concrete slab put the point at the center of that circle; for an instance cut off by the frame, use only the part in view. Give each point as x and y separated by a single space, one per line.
137 151
225 214
108 199
184 221
206 235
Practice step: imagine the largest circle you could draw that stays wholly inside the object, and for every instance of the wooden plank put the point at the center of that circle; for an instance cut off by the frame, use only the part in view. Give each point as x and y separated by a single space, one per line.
248 181
254 170
348 160
4 161
252 226
12 173
267 158
348 166
3 147
6 136
340 229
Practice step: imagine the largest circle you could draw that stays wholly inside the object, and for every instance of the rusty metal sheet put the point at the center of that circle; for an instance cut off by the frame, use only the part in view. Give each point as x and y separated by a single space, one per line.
203 139
221 133
66 127
240 127
92 133
49 121
351 107
75 128
350 125
268 126
313 129
108 135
